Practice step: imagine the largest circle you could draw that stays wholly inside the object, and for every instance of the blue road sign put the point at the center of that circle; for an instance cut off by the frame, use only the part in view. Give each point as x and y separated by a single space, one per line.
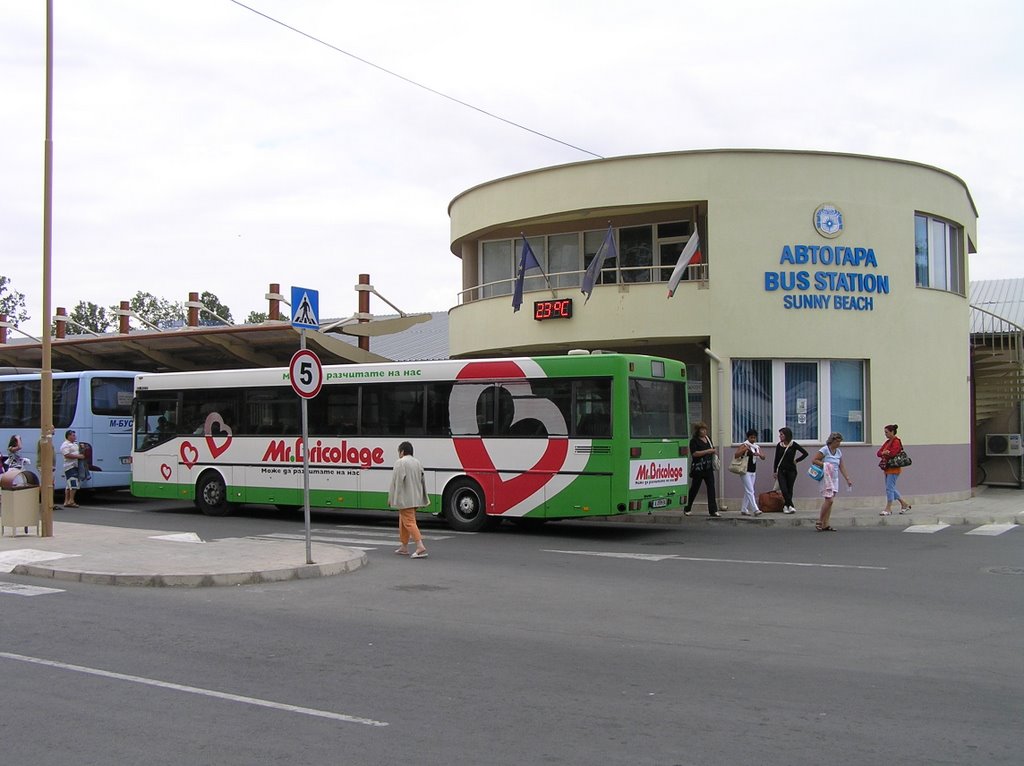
305 308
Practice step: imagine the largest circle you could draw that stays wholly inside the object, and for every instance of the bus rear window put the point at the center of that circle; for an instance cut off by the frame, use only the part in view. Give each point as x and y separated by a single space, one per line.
657 408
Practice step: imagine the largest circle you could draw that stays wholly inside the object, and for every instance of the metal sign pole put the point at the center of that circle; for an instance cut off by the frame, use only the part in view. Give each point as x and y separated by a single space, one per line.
305 462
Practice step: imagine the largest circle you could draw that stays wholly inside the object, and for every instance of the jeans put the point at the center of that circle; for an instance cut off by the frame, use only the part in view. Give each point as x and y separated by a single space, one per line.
891 493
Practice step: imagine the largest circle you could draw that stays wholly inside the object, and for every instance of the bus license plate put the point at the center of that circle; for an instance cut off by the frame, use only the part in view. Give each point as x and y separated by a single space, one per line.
661 502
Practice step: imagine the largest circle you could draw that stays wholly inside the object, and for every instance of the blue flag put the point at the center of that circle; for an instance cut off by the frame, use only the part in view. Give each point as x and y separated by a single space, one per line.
606 251
527 261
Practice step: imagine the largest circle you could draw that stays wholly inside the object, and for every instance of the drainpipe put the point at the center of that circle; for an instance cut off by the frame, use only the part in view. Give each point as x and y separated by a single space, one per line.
718 425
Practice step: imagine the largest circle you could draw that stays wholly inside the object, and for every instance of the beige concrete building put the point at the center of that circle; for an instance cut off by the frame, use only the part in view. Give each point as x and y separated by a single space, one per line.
829 294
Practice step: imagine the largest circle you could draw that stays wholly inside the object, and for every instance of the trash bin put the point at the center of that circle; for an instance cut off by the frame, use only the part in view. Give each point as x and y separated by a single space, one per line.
20 501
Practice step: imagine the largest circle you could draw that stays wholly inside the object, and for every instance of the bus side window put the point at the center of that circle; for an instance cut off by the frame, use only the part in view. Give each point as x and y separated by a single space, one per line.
593 408
438 423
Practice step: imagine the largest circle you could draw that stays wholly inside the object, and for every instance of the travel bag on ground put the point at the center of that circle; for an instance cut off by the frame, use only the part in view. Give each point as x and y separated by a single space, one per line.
770 502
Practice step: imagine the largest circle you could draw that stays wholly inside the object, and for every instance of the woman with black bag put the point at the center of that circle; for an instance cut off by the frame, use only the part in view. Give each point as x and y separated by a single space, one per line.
787 454
702 469
892 447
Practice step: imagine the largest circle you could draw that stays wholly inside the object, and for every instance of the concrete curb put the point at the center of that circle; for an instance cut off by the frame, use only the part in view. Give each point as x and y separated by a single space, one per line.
195 580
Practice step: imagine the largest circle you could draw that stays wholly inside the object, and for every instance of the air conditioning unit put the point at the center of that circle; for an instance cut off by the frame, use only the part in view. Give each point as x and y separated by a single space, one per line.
1003 445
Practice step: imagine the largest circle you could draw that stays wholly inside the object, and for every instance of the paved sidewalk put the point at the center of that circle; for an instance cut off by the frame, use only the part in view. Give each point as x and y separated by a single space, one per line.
121 556
990 505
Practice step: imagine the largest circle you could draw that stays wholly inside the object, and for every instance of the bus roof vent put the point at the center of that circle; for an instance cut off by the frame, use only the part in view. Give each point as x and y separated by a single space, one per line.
578 352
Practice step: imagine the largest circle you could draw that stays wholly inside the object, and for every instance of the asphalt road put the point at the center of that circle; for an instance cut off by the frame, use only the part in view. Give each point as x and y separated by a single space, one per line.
575 644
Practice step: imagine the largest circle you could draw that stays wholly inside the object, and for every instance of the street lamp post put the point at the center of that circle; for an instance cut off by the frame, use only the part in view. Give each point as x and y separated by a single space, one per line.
46 384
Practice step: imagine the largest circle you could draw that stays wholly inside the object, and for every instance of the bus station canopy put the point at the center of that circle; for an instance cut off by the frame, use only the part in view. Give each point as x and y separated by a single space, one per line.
270 344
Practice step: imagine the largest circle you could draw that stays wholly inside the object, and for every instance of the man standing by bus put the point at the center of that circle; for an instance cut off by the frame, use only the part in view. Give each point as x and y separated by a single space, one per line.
69 450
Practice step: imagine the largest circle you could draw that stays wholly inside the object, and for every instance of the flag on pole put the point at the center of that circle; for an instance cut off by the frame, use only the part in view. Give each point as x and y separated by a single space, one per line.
526 261
690 255
606 251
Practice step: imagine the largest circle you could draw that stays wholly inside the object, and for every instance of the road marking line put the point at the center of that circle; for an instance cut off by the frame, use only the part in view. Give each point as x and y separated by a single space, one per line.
17 589
992 529
926 529
179 537
610 555
10 559
313 538
194 690
334 539
657 557
357 529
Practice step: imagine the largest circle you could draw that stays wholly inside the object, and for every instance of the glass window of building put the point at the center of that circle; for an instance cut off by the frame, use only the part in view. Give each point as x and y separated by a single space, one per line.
564 260
496 268
636 254
672 238
938 254
813 398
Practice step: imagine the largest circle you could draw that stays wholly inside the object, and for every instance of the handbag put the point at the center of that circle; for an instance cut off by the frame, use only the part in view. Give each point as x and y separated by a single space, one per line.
738 464
815 472
716 463
899 460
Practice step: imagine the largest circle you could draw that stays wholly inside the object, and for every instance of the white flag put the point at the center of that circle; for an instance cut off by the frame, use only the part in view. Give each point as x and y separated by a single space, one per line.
690 254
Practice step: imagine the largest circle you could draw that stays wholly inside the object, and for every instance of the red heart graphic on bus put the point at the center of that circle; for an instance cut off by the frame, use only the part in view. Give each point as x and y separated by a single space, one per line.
214 419
189 454
477 462
165 471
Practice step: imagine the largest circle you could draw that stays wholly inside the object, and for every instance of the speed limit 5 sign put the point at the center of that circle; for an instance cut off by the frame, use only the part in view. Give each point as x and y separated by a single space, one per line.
306 373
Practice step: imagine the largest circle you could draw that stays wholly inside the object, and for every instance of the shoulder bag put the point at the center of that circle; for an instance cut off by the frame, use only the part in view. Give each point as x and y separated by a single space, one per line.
716 461
900 460
815 472
738 464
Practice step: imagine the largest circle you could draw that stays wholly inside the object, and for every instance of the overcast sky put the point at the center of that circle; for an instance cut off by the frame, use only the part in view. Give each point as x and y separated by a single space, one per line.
199 146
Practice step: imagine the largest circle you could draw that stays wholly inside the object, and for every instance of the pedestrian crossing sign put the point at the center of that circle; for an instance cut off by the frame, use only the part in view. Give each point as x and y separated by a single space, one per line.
305 308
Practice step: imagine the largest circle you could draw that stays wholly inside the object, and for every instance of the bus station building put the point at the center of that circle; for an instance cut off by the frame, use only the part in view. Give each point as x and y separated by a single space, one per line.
829 293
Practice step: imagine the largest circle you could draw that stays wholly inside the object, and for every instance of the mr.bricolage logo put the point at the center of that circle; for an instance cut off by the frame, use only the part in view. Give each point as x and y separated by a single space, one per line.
472 452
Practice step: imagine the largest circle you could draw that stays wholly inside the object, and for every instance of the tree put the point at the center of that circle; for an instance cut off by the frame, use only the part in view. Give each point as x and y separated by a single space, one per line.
157 311
89 316
256 317
213 304
13 303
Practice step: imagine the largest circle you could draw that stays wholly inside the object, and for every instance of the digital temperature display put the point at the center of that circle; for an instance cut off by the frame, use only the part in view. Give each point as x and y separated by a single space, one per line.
561 309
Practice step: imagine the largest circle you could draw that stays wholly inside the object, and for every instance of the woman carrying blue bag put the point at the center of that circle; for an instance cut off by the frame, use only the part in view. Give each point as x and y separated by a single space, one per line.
830 460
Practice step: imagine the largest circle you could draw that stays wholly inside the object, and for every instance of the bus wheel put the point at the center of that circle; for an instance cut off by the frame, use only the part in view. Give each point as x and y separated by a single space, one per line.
212 495
464 506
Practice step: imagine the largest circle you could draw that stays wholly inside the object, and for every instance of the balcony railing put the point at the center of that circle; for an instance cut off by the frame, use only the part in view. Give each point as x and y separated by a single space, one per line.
568 280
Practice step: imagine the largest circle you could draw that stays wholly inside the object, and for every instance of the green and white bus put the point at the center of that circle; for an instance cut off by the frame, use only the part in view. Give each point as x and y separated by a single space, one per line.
558 437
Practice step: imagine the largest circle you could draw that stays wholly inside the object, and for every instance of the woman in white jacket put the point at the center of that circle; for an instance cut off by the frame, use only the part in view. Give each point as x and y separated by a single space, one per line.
408 492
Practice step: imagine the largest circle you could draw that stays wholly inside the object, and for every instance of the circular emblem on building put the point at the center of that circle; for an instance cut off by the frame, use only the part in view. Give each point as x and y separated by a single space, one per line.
828 220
